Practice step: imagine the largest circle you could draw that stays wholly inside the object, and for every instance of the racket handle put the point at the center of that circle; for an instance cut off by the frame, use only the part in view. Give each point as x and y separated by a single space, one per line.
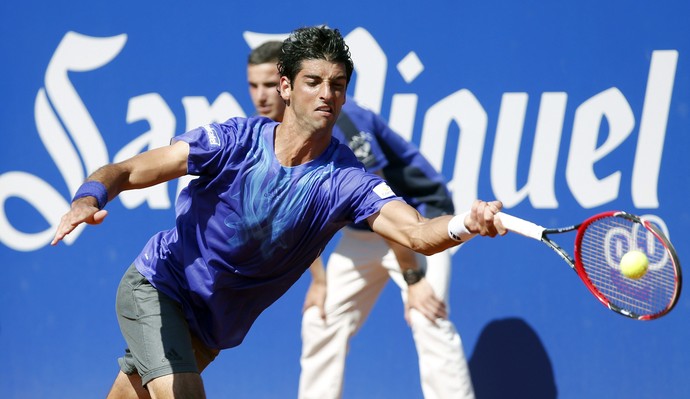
521 226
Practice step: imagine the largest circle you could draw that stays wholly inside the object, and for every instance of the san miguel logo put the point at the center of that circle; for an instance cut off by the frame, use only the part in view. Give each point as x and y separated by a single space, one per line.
77 146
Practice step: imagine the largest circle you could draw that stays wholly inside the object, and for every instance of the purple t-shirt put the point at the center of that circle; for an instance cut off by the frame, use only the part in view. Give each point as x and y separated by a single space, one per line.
248 227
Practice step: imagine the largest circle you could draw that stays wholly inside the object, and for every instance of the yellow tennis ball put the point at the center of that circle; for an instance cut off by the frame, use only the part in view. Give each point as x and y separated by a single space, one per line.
634 264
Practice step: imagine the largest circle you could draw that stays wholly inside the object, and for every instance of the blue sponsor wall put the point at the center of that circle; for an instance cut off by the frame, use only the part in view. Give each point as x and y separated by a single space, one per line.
560 110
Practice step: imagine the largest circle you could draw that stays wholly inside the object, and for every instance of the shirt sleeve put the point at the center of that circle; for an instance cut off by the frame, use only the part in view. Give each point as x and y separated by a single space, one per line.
209 146
366 193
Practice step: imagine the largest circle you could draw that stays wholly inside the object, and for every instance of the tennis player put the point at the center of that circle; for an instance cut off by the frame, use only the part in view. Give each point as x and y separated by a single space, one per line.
268 199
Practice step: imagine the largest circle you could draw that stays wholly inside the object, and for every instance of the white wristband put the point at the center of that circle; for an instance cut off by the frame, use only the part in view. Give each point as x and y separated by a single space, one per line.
457 231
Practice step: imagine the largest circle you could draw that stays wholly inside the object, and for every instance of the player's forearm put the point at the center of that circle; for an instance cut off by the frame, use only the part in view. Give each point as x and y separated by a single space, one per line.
143 170
424 236
116 178
112 177
401 223
430 236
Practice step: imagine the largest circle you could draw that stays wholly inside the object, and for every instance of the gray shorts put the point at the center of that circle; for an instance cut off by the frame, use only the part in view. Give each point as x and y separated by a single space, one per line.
157 334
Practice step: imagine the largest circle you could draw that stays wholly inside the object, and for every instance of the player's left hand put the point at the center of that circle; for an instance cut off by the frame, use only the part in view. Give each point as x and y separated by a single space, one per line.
421 297
82 210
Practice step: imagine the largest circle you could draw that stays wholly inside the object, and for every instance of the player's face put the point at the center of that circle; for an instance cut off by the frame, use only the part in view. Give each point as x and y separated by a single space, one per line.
263 88
317 93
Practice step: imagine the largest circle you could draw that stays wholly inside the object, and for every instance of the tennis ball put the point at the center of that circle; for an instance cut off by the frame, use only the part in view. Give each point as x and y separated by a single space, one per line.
634 264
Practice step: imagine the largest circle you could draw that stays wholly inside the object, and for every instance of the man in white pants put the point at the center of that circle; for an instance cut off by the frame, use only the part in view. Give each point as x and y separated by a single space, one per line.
340 298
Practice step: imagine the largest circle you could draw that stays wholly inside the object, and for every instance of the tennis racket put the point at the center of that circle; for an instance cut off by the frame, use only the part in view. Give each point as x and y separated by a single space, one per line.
601 242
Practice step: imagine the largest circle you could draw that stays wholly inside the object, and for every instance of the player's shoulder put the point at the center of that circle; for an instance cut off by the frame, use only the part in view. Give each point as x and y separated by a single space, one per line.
247 128
241 122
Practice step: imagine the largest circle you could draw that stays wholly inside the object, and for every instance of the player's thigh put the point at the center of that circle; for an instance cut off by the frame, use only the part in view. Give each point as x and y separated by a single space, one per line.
181 385
156 331
203 354
128 386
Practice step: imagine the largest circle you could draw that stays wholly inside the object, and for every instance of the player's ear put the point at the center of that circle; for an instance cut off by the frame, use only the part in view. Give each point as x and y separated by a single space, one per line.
285 88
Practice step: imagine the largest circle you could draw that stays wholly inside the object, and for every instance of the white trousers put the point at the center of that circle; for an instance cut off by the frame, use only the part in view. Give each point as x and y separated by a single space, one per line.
357 271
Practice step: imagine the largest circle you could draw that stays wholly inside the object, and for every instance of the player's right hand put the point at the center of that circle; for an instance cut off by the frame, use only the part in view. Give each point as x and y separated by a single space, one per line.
482 219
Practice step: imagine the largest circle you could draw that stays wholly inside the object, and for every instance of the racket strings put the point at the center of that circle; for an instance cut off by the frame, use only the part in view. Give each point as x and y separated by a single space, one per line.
604 243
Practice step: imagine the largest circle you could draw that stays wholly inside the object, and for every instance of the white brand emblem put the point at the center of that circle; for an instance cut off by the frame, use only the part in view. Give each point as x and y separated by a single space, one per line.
212 135
383 191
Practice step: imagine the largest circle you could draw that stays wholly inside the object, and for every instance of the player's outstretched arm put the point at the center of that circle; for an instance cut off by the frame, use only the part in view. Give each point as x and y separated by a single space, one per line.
399 222
143 170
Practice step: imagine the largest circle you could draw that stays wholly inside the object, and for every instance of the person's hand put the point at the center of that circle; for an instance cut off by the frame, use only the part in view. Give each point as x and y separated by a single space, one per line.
482 219
83 210
316 296
421 296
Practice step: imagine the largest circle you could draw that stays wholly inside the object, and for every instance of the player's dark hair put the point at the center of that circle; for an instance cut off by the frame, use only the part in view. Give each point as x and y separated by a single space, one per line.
313 43
265 53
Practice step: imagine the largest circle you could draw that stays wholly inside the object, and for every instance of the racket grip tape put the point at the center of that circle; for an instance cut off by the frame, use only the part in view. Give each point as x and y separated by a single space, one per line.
521 226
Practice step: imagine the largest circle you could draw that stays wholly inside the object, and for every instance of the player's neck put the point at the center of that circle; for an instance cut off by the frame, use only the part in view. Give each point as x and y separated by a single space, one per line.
294 146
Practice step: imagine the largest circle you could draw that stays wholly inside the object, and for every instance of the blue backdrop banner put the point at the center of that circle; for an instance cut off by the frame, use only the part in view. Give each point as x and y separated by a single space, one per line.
558 109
